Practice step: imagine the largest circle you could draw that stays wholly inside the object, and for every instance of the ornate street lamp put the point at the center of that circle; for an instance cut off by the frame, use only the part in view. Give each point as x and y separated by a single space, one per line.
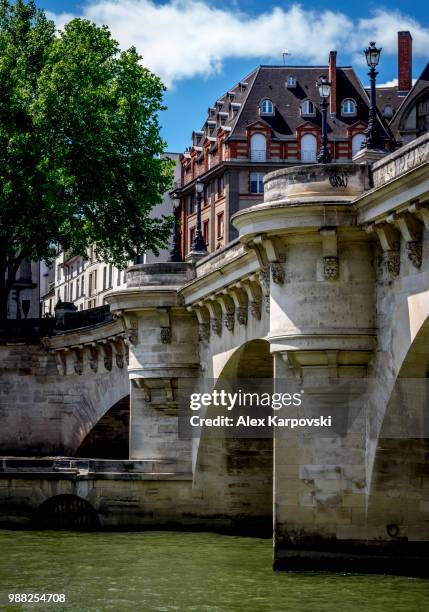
324 87
373 137
176 251
199 244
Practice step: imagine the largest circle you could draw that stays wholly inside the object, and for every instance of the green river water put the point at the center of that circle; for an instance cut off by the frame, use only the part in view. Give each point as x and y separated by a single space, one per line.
166 571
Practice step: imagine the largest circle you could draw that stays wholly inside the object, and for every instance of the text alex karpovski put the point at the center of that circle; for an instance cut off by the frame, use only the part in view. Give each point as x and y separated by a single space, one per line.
229 401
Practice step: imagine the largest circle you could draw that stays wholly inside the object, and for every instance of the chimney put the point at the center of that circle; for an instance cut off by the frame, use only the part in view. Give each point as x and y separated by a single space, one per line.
405 61
333 79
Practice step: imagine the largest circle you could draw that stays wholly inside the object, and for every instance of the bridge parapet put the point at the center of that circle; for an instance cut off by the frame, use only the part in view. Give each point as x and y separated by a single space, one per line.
87 350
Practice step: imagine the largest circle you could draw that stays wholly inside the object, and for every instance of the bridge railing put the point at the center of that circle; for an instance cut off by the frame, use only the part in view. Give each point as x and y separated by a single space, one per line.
31 330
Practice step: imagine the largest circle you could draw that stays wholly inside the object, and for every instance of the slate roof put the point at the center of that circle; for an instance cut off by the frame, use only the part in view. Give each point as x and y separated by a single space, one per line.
270 82
421 85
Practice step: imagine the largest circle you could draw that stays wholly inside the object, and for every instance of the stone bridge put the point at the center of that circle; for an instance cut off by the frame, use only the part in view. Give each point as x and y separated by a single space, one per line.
327 283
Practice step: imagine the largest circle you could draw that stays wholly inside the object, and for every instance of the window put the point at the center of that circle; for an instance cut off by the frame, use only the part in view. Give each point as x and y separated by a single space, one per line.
256 182
90 284
110 275
206 195
308 148
77 288
220 225
388 111
291 81
357 142
104 277
118 282
191 237
258 147
58 295
95 283
71 292
82 285
66 295
58 273
307 108
348 107
206 231
220 186
191 204
267 107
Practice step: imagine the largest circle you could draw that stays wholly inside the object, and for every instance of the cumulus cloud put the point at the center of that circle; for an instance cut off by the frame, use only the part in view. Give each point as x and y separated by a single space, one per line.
181 39
391 83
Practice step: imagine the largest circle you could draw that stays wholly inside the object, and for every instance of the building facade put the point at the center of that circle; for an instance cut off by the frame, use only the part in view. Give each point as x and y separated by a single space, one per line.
272 119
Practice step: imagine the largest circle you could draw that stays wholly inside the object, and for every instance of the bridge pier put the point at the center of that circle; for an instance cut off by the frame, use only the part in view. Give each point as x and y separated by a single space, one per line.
163 347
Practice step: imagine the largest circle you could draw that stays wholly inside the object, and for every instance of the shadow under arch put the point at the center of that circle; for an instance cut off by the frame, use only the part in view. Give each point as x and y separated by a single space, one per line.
398 495
66 512
235 475
109 438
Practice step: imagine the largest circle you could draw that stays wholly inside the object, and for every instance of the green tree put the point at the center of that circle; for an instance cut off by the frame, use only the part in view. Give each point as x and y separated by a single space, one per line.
81 157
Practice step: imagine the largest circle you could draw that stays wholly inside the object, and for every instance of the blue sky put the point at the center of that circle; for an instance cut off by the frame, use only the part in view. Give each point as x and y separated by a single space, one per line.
201 48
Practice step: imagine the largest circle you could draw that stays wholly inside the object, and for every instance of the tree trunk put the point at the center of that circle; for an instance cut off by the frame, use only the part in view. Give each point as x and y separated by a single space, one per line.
6 284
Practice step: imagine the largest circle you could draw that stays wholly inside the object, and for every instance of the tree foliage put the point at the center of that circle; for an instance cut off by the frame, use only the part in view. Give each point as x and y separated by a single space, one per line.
81 157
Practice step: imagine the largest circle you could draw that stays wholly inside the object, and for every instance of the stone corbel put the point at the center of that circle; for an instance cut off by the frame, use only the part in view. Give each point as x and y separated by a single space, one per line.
228 309
411 232
254 296
61 360
78 359
389 238
215 315
271 256
240 300
293 364
165 324
159 392
92 356
331 267
203 318
118 348
106 351
421 211
131 326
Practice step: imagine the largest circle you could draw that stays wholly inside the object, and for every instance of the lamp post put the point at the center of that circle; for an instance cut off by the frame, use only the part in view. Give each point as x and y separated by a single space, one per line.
199 244
324 87
373 136
176 251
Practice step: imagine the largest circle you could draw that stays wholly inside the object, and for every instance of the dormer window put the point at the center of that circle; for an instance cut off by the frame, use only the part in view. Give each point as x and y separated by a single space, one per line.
267 107
291 81
388 111
348 107
307 108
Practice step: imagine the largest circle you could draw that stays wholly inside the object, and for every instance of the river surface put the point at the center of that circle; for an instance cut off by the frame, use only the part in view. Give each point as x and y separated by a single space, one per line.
166 571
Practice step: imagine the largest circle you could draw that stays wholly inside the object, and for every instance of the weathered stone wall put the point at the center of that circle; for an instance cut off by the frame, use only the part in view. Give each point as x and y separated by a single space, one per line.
45 413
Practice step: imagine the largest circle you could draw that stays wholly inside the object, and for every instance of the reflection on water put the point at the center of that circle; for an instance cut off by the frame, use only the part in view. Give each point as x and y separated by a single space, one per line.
166 571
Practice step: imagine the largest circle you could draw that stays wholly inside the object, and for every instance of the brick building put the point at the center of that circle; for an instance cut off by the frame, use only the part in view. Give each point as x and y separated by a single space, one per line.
271 119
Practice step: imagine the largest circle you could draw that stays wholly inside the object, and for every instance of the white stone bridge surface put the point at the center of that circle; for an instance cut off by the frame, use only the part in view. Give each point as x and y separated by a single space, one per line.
327 283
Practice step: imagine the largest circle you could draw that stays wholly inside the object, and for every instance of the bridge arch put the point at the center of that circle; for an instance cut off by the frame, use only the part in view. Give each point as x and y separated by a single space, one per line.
398 500
237 473
66 512
109 438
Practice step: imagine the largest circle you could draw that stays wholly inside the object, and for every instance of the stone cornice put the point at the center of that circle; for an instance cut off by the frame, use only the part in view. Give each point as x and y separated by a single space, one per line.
84 336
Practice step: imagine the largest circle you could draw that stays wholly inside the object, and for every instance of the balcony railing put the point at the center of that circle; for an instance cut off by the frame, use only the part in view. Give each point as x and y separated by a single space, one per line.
308 155
259 155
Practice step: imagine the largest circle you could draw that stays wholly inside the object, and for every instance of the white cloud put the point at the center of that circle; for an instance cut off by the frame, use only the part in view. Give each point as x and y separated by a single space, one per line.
180 39
392 83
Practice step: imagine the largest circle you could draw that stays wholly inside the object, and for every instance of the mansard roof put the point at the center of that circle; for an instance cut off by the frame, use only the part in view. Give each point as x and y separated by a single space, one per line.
418 89
269 82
